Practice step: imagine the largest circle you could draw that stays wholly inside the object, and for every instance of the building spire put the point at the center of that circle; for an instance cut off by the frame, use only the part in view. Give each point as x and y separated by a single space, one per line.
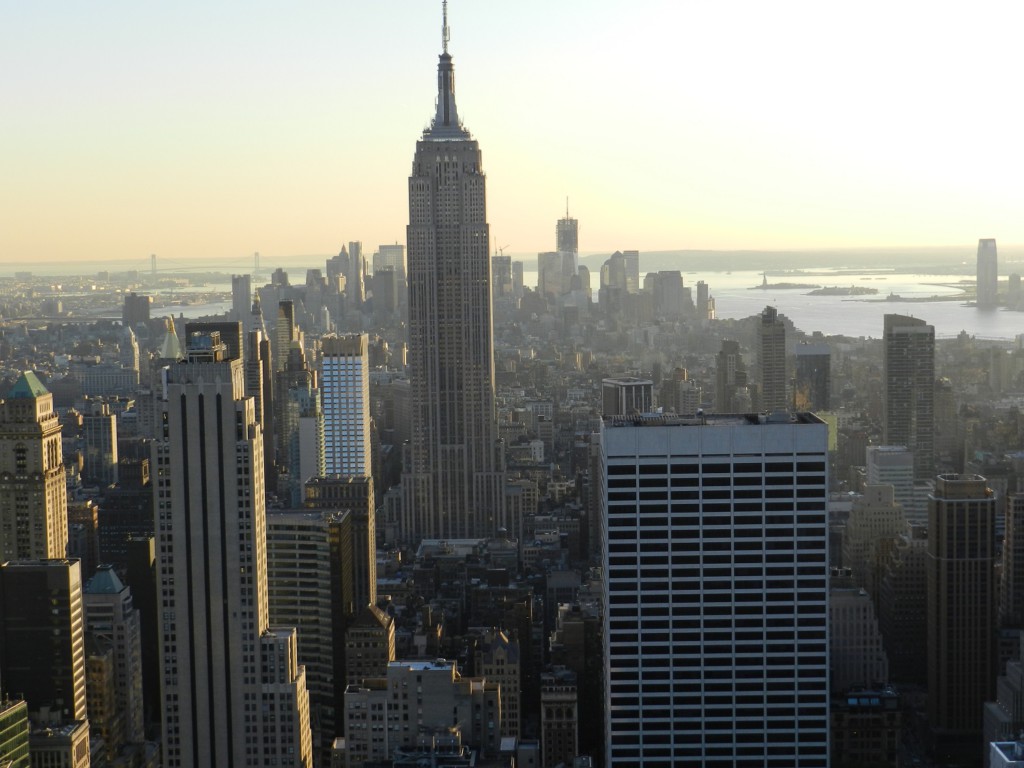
445 32
446 123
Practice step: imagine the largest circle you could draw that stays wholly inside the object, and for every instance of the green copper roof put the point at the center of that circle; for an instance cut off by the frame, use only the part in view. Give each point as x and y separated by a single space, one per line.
28 385
105 582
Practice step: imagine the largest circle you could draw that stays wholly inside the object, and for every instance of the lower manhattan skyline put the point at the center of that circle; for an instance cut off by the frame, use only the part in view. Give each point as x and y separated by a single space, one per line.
196 133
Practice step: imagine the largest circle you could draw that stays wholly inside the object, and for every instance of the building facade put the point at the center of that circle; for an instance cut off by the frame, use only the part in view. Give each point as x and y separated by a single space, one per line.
33 492
771 360
962 661
454 486
908 414
212 571
715 535
345 388
42 638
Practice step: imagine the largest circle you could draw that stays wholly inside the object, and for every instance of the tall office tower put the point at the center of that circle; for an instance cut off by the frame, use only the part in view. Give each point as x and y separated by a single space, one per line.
259 385
354 287
345 393
309 586
140 575
632 271
232 334
680 394
99 440
128 354
392 256
988 274
894 465
626 395
135 309
353 494
771 360
551 280
454 486
42 638
105 718
285 332
902 607
812 386
567 235
1011 594
287 739
501 272
908 416
33 492
212 561
875 524
962 659
716 543
731 393
241 297
13 732
517 278
302 432
112 619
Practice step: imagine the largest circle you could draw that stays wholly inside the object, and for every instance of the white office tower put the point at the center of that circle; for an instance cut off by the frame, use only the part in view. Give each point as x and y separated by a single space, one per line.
241 297
716 590
212 574
345 396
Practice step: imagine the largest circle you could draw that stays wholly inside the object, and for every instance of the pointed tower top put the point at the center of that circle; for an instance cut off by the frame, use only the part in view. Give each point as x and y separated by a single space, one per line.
446 124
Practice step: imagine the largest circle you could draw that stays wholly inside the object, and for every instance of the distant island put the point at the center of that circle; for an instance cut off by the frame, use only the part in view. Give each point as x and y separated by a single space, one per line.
765 285
836 290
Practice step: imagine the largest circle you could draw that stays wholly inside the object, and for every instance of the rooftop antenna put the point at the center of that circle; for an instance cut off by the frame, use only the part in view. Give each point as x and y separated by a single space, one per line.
445 33
567 206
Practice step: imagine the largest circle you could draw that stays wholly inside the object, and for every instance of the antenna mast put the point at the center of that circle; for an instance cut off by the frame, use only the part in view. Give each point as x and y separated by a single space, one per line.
445 34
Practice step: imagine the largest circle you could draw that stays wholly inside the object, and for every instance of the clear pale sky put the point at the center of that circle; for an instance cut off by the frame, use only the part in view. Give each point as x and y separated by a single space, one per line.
212 130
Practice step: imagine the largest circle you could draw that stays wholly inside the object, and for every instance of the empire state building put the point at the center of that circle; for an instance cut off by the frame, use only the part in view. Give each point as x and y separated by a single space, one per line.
454 482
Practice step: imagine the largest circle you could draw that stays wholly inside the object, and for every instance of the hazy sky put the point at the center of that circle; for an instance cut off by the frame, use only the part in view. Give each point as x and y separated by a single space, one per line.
199 129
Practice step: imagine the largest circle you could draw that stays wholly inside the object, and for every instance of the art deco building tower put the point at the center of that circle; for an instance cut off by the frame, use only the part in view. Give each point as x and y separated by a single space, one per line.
221 664
33 495
454 486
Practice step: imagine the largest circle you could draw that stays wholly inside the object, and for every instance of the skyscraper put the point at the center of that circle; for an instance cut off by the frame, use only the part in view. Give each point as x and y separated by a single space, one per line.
813 382
962 659
345 391
33 492
567 235
42 638
908 415
454 487
241 297
988 274
111 617
212 568
715 532
771 360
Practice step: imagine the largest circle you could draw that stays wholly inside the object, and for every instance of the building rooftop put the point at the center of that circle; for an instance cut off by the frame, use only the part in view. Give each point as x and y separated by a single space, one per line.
28 385
105 582
711 419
